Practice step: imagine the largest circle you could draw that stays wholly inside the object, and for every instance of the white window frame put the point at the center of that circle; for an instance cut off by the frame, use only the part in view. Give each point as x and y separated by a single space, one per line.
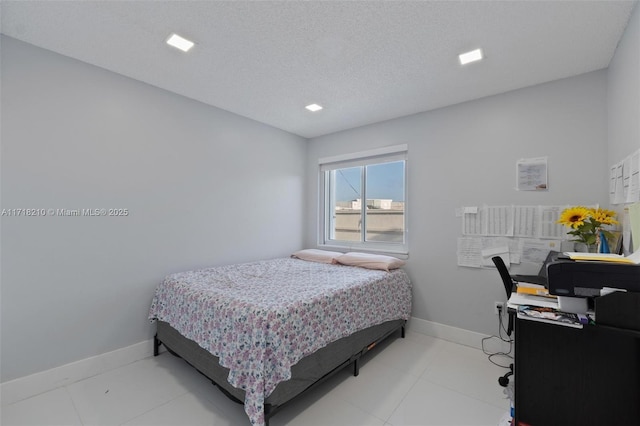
358 159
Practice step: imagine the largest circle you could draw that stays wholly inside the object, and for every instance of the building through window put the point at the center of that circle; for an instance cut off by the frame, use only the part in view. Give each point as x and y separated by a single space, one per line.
364 200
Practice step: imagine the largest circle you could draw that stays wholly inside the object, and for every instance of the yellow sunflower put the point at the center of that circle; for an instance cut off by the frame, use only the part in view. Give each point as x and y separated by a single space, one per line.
587 223
604 216
574 217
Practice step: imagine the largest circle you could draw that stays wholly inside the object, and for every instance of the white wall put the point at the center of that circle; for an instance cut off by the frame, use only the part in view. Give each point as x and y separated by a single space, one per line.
465 155
206 187
623 85
203 187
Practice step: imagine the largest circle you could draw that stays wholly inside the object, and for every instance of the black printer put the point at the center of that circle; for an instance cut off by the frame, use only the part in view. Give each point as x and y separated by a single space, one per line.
586 278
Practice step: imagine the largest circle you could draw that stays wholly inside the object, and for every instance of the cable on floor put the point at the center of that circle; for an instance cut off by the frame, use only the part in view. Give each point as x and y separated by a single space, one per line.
507 339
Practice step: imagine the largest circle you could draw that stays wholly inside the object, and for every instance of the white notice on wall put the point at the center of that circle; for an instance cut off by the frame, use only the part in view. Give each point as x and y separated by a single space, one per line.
525 221
549 226
633 193
535 251
489 253
612 183
618 190
470 252
626 178
472 223
532 174
499 220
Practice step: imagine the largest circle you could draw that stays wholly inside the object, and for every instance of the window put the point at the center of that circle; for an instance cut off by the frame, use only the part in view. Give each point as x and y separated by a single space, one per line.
364 199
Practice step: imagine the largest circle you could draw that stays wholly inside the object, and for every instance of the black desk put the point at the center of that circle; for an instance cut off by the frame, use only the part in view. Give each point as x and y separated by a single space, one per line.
571 376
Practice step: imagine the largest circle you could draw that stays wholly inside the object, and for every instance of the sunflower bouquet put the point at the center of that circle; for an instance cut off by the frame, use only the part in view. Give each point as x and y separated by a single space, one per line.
587 224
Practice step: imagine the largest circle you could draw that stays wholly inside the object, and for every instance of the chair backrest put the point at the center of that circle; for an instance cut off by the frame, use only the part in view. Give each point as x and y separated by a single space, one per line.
504 274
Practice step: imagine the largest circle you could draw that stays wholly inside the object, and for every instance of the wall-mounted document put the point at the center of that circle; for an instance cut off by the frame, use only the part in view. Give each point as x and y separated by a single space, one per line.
499 220
535 251
476 252
526 221
549 226
470 252
624 180
532 174
489 253
514 221
472 221
518 233
616 188
633 192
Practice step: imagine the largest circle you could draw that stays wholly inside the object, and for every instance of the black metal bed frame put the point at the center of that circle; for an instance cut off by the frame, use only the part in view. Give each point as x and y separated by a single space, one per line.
270 410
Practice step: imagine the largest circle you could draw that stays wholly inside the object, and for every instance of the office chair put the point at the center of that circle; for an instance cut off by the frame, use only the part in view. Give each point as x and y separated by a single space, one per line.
508 283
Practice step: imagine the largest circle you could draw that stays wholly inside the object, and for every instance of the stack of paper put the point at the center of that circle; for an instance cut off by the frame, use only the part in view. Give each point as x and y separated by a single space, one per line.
517 299
633 259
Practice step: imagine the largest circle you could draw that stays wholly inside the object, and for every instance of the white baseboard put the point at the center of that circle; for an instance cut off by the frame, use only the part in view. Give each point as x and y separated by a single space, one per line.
457 335
35 384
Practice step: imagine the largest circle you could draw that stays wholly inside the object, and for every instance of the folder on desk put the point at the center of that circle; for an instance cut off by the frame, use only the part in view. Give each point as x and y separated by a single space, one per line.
535 289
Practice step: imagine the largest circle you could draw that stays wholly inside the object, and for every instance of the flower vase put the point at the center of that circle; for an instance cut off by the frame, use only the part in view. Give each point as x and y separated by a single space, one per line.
585 248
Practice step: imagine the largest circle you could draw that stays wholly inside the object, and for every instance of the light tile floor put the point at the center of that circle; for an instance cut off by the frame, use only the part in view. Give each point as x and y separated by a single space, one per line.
418 380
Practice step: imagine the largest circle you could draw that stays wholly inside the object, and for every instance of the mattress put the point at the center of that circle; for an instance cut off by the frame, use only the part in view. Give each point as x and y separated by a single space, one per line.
261 318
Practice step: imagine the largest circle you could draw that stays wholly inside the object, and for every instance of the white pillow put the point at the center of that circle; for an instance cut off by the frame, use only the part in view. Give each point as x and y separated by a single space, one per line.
371 261
313 255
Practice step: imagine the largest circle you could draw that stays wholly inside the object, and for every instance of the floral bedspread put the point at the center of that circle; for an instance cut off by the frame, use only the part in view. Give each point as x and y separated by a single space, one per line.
261 318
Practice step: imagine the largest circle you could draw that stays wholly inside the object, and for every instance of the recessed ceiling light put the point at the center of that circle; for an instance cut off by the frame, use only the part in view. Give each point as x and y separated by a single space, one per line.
180 42
313 107
472 56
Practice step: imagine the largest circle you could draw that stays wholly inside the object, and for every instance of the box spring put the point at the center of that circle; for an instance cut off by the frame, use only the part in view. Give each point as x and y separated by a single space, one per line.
309 371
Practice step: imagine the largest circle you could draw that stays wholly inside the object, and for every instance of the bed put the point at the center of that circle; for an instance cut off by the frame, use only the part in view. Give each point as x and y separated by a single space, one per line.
264 332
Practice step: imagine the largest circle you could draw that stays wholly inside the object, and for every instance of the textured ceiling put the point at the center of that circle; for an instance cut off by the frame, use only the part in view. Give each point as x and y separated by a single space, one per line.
364 61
